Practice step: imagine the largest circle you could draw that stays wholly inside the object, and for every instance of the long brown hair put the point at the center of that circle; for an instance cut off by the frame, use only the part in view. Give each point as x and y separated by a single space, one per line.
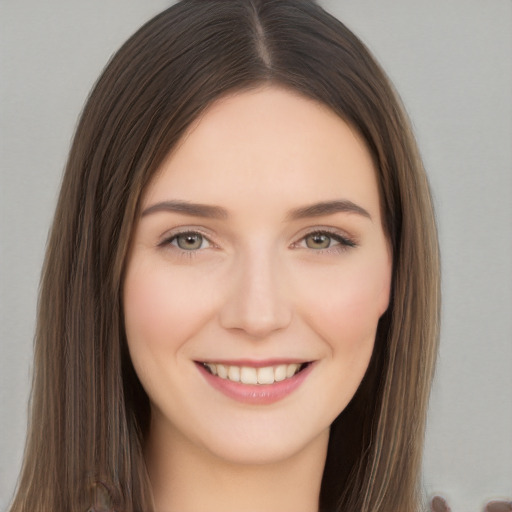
89 413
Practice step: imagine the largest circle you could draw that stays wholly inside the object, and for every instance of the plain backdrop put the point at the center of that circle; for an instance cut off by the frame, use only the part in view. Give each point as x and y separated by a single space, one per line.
451 61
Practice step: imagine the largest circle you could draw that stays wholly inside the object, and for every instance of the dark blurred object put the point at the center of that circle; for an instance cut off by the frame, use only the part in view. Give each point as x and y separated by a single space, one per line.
438 504
499 506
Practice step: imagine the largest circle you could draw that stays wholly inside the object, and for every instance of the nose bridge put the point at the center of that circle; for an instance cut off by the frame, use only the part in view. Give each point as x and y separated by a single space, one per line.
257 302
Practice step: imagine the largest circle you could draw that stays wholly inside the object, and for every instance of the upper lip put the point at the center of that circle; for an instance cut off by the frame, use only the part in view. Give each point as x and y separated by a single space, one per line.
260 363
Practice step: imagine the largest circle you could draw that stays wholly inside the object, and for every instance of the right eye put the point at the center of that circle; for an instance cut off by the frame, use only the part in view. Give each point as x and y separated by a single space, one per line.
189 241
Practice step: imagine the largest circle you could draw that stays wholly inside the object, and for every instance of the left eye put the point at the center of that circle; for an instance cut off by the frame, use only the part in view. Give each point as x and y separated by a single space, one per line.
190 241
324 240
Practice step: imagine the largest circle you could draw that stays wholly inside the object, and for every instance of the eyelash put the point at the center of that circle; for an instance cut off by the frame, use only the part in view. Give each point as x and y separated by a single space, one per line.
343 242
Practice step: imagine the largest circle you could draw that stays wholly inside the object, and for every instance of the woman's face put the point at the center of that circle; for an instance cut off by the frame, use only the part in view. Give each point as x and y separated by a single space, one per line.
258 273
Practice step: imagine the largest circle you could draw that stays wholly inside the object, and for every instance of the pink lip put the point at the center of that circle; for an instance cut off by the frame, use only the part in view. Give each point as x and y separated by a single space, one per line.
260 394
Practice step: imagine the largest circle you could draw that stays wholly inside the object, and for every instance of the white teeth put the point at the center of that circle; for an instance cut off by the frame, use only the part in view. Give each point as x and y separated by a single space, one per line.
222 371
266 375
234 373
280 372
291 369
248 375
251 375
212 368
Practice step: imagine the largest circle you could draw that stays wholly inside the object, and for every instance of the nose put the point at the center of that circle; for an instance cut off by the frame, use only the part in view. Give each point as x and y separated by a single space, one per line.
256 302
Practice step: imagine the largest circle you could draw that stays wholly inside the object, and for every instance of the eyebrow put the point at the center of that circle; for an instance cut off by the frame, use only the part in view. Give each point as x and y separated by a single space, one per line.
217 212
327 208
192 209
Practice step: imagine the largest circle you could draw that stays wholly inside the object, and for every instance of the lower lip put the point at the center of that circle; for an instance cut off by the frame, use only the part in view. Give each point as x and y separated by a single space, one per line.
260 394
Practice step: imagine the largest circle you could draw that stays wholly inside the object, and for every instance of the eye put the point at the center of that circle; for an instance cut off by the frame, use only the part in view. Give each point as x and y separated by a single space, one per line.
318 241
322 240
189 241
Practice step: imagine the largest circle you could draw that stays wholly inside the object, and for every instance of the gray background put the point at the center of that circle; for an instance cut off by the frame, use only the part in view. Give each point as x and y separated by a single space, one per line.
451 62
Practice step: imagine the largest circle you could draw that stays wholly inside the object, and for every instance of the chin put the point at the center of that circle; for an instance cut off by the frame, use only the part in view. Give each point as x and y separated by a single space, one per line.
264 447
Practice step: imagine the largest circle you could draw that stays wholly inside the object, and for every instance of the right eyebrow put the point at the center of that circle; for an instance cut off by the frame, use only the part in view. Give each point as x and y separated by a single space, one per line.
184 207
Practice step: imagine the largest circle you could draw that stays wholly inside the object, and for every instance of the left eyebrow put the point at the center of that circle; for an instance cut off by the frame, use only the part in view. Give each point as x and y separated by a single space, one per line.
327 208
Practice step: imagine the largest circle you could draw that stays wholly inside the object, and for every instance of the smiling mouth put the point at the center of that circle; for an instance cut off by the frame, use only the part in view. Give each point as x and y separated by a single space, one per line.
255 376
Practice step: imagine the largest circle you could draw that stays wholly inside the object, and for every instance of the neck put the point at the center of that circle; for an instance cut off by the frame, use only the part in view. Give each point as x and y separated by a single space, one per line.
188 478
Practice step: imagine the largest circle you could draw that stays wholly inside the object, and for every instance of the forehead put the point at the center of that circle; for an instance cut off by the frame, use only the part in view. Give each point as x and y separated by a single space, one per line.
269 143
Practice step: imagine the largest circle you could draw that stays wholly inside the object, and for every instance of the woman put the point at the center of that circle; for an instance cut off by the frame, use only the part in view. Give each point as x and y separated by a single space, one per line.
119 419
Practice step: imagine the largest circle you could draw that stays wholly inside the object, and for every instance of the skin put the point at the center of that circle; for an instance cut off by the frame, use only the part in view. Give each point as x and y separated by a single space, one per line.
256 285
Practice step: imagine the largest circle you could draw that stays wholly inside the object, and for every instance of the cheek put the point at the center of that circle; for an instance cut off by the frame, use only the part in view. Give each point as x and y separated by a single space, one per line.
162 309
344 312
345 306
